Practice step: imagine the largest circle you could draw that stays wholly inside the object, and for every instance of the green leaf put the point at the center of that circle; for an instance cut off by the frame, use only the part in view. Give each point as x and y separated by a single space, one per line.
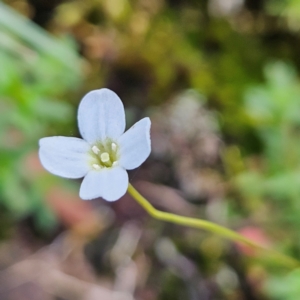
284 287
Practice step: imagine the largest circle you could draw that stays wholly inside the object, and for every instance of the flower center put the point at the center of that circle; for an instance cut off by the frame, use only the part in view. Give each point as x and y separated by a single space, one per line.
104 155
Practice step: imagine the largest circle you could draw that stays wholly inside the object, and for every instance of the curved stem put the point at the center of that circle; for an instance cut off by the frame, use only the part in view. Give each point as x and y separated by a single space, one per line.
209 226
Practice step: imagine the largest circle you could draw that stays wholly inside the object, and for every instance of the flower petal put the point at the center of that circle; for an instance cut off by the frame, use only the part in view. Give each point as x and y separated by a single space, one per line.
64 156
110 184
101 115
135 145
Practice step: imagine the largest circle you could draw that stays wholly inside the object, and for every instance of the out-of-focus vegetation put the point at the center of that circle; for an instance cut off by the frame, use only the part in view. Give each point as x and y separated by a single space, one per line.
220 81
36 72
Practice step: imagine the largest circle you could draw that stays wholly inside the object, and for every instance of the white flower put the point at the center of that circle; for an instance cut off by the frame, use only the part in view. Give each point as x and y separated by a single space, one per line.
105 152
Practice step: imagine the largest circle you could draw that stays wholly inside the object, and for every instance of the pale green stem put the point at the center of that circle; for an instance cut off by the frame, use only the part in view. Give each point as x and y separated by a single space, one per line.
209 226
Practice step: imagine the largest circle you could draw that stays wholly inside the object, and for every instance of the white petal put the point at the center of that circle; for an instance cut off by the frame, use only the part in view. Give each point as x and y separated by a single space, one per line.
64 156
110 184
135 145
101 115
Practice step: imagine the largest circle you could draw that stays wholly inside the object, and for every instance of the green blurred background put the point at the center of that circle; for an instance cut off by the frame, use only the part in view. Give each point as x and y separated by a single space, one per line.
220 81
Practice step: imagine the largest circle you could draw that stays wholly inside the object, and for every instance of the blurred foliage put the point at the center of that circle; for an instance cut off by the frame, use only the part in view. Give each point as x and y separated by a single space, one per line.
34 77
270 181
273 178
220 81
285 288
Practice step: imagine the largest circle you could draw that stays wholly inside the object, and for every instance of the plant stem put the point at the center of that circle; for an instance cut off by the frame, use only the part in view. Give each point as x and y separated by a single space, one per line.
209 226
